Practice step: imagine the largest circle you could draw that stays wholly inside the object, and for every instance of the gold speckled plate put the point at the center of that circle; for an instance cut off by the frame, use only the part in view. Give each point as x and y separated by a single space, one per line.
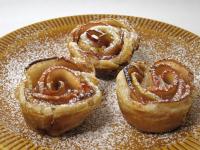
105 128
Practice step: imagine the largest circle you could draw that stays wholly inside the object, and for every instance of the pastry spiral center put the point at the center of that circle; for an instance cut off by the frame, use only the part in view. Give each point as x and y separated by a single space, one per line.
59 85
99 38
160 83
102 40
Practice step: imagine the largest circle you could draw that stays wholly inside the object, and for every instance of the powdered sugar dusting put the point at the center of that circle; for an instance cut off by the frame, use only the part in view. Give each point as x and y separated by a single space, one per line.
106 127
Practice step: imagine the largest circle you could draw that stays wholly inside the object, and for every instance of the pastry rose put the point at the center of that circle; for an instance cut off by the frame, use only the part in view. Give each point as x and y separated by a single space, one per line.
155 98
108 44
58 94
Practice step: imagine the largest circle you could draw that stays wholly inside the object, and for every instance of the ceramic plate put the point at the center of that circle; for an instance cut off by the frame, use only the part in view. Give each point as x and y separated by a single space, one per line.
105 128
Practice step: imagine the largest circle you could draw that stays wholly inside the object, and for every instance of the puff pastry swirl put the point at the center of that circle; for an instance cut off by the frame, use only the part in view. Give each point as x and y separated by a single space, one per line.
155 98
58 94
108 43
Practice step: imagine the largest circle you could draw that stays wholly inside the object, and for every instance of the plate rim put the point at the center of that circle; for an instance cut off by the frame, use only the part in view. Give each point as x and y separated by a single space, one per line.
100 14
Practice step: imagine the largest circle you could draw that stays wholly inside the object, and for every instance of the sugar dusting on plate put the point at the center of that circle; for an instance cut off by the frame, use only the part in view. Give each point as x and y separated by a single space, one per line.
105 128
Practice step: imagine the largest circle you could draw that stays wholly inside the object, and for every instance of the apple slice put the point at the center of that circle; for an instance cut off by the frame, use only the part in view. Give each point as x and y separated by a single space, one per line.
59 73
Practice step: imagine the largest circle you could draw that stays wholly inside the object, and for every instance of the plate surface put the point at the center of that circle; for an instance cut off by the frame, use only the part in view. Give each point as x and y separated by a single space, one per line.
105 128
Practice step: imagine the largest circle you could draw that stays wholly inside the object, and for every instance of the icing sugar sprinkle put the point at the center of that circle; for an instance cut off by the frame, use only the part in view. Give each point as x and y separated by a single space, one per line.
105 128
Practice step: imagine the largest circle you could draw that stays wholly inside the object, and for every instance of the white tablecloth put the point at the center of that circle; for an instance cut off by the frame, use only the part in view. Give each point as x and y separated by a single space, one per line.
18 13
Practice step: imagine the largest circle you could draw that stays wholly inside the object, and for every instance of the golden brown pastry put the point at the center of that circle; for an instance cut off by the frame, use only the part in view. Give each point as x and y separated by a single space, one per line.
58 94
157 98
108 44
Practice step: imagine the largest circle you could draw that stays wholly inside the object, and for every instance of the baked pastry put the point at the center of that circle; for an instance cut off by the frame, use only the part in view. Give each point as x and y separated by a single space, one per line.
108 44
155 99
58 94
